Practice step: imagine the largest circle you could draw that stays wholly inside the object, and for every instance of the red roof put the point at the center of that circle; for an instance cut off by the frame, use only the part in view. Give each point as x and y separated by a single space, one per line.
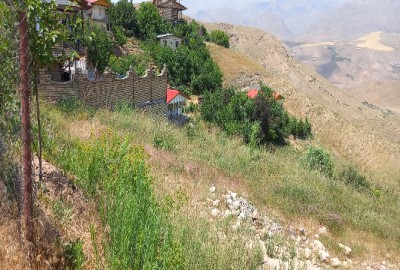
252 93
173 93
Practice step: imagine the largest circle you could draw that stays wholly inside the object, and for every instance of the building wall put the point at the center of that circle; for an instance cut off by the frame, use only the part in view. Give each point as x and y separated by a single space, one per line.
171 41
145 93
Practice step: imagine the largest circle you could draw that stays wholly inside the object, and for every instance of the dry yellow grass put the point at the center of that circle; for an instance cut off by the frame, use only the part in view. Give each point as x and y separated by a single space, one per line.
340 123
372 41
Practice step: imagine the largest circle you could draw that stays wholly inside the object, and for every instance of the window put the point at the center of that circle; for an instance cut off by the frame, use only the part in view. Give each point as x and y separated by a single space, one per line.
177 43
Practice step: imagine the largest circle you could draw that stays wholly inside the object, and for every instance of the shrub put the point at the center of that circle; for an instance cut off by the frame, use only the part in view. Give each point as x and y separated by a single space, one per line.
317 158
353 178
100 46
119 36
219 37
164 142
123 16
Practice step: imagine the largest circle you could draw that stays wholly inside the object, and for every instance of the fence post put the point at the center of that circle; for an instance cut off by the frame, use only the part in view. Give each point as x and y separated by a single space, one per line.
27 206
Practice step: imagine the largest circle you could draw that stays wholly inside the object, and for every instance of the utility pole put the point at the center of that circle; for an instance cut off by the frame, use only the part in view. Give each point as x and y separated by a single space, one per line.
27 206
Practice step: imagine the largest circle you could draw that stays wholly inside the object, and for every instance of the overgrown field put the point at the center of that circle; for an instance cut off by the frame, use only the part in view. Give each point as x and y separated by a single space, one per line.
142 232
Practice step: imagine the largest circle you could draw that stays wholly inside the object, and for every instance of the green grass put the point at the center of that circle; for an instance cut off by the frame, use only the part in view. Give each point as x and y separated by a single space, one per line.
275 177
141 232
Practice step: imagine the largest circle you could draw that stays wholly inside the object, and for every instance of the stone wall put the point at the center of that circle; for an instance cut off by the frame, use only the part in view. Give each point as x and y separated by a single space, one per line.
141 92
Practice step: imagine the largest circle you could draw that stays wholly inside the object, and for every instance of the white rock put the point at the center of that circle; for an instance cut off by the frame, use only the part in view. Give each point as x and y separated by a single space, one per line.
323 231
236 225
236 205
215 203
215 212
323 255
254 215
212 189
307 253
272 263
382 267
236 212
242 215
229 202
317 245
227 213
317 235
335 262
346 249
233 195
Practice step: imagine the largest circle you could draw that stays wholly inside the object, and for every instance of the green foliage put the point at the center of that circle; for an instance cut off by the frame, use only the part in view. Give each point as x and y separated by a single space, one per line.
121 65
191 65
74 255
122 16
112 171
99 44
150 22
353 178
119 35
262 120
219 37
164 141
317 158
299 128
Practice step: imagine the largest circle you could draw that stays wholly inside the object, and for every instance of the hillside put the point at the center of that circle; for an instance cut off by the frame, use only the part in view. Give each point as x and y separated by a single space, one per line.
365 135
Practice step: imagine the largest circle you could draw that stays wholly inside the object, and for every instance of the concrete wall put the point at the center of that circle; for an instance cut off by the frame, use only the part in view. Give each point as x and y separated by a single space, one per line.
146 93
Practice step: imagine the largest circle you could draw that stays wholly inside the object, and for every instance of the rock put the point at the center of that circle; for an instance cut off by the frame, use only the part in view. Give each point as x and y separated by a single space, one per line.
303 231
229 202
323 231
323 255
233 195
292 232
215 212
335 262
345 249
236 212
236 225
254 215
317 245
272 263
215 203
212 189
242 215
307 253
227 213
236 205
382 267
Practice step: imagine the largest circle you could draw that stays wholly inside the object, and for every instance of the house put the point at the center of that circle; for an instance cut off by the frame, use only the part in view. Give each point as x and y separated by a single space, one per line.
98 12
254 92
171 10
169 40
175 101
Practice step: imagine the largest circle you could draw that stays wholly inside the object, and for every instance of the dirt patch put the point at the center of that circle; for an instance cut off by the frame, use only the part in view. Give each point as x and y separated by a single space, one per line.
85 129
372 41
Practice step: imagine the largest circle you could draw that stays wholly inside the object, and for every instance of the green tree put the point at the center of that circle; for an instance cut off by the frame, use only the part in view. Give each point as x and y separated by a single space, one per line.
123 14
99 45
150 22
219 37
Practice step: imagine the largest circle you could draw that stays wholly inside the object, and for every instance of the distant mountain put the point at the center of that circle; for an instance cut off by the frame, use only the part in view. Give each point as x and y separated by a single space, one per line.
352 20
309 20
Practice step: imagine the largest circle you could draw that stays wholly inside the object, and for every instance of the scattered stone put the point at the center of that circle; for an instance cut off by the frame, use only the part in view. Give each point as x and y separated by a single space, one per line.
242 215
254 215
233 195
346 249
323 231
236 205
215 212
307 253
323 255
335 262
303 231
212 189
215 203
317 245
272 263
228 213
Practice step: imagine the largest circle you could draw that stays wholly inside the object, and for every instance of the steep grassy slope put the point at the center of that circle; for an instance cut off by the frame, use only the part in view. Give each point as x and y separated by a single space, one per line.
365 136
191 159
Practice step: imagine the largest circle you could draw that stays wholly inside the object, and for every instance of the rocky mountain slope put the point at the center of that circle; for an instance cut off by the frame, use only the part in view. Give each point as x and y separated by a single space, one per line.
368 136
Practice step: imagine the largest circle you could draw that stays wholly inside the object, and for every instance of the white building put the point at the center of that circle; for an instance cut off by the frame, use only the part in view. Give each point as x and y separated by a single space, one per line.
170 40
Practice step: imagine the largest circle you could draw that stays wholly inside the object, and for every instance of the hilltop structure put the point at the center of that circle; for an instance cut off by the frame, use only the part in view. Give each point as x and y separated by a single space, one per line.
171 10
